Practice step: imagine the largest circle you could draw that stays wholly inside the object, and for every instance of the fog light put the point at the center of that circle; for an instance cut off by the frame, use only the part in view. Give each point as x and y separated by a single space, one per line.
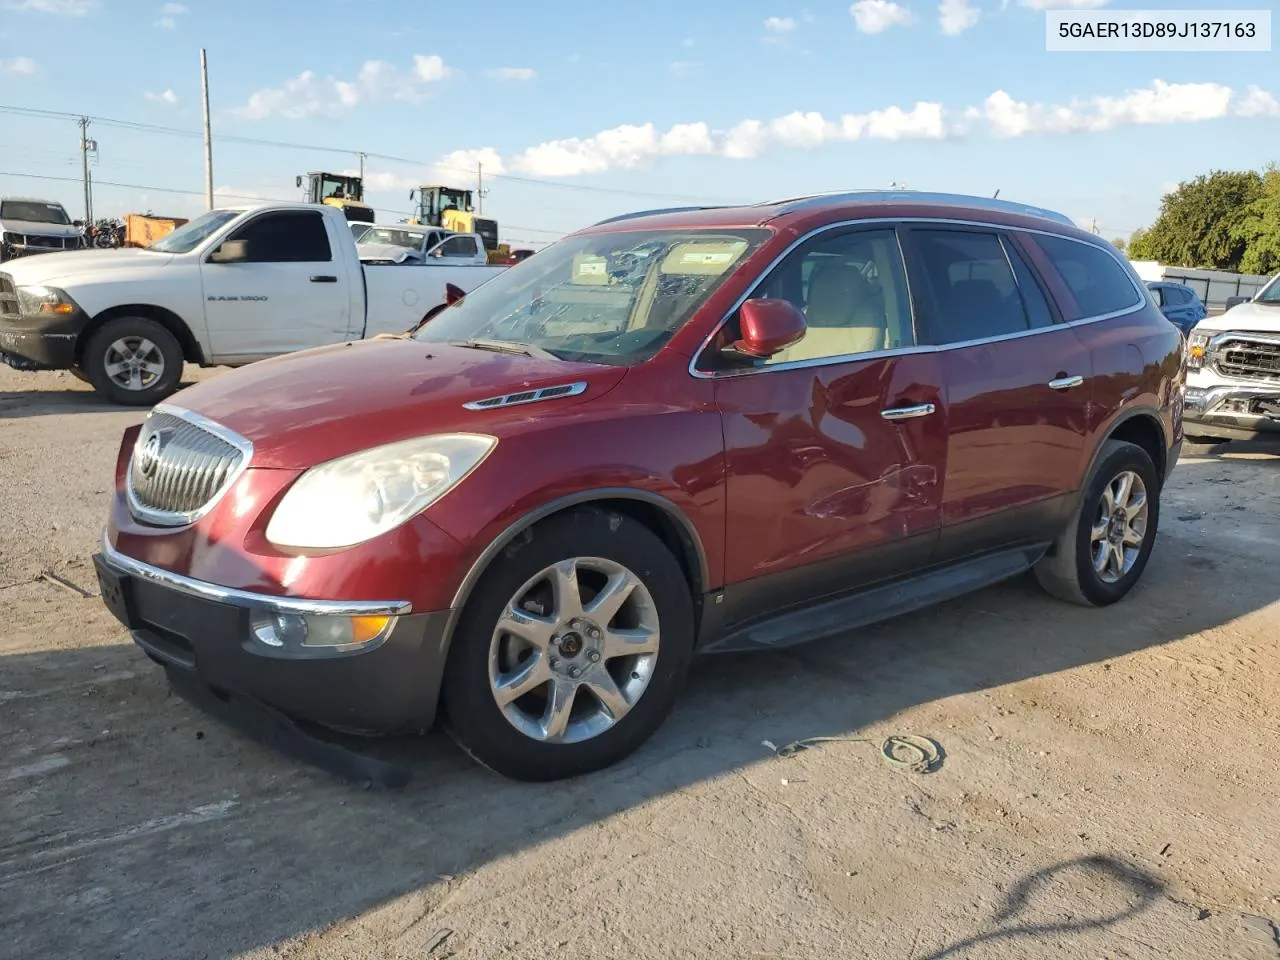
279 629
303 632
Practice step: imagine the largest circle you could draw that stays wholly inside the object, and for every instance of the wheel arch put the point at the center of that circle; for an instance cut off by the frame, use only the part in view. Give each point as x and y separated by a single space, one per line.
191 350
660 515
1143 427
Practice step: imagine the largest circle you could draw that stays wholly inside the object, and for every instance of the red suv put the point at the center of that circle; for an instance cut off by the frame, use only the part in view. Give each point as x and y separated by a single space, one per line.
685 431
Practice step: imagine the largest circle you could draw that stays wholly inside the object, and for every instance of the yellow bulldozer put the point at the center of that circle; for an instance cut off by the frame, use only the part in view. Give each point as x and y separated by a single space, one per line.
450 208
341 191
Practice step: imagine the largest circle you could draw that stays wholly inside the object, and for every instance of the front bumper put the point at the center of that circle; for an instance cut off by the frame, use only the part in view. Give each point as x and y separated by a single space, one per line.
1233 411
40 343
203 630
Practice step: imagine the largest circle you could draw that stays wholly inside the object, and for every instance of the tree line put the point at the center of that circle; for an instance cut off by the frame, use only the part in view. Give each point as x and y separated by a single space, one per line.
1224 220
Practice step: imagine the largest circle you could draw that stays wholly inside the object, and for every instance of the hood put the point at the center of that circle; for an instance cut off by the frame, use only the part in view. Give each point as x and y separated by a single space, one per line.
52 267
385 251
305 408
1257 317
61 230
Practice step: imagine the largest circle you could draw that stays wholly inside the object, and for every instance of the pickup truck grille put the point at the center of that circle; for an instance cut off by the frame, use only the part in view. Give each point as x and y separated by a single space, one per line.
1248 359
181 465
8 297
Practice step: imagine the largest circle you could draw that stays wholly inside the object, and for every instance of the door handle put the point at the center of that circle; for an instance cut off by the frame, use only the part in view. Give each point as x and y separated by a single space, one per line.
908 413
322 278
1066 383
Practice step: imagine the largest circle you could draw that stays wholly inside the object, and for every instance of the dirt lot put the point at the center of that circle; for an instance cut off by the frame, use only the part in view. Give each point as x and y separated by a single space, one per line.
1108 790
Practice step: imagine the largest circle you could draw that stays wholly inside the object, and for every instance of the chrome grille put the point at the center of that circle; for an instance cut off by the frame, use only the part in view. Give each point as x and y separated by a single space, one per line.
181 465
1249 359
8 297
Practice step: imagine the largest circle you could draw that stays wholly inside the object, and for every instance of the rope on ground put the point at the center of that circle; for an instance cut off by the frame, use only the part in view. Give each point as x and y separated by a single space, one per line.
905 750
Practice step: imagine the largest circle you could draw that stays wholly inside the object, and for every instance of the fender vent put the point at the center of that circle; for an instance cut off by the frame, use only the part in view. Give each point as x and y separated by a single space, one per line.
527 396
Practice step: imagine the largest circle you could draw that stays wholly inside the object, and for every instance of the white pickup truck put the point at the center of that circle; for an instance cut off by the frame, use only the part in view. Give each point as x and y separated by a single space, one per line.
230 287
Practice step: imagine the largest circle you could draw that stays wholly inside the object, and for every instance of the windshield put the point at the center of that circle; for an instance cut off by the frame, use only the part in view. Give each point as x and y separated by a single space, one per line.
34 211
612 298
340 188
1270 293
189 236
396 236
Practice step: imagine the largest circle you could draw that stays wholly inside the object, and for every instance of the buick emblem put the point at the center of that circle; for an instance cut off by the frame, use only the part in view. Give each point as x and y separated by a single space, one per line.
149 455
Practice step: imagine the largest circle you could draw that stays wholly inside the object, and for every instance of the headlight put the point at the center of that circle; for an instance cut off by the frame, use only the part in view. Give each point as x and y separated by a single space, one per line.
1197 343
49 301
355 498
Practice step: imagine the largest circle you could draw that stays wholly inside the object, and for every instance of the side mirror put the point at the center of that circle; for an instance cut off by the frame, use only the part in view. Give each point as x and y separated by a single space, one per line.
768 327
77 223
230 251
412 194
452 294
298 182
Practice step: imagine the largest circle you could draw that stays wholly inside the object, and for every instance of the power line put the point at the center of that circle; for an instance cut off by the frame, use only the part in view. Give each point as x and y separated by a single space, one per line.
390 158
151 188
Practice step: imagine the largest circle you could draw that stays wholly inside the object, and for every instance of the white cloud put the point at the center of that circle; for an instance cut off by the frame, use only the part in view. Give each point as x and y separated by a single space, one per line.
59 8
21 66
779 24
429 69
876 16
1257 103
957 16
173 10
512 73
687 42
1063 4
309 95
166 23
166 96
682 68
1161 103
630 145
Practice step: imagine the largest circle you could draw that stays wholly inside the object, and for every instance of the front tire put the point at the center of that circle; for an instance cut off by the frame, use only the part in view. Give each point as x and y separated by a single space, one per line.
133 361
572 649
1101 554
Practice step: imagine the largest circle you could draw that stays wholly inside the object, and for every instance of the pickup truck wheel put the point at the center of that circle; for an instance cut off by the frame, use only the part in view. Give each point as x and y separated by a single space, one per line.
572 649
1103 551
133 361
78 374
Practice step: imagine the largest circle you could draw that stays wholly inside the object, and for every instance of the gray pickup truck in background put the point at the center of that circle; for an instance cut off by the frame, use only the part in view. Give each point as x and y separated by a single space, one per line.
29 225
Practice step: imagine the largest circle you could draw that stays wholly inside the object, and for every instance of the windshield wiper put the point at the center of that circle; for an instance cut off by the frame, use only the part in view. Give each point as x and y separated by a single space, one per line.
506 346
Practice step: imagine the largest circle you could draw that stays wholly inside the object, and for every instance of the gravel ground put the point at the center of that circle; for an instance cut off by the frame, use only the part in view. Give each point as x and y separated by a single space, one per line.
1108 786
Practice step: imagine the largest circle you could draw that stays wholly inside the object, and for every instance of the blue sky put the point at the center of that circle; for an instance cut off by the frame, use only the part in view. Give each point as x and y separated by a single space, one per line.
634 105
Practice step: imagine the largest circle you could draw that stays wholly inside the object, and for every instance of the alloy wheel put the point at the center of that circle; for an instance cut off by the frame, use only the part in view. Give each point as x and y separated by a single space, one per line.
1120 527
574 650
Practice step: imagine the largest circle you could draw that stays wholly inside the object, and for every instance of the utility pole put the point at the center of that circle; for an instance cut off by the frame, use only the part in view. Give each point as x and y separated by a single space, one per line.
84 168
361 156
1093 226
480 188
208 132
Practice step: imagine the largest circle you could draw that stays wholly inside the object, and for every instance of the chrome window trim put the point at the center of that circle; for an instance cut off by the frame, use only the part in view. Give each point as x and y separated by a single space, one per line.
245 598
1141 294
169 518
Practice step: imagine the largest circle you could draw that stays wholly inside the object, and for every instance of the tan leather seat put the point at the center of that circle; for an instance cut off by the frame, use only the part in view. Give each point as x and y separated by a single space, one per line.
842 317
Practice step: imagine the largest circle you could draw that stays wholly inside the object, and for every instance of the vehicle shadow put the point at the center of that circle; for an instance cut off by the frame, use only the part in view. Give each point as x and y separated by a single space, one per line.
52 392
169 835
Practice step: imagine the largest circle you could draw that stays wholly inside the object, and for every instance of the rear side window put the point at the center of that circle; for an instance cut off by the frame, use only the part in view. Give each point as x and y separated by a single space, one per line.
975 294
1097 281
1034 300
457 247
286 237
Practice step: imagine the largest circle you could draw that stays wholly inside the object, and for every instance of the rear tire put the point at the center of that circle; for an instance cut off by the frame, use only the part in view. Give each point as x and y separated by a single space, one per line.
1101 554
133 361
629 664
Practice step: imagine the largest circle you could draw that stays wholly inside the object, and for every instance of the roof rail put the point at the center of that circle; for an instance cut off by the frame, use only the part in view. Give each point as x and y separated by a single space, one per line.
920 196
652 213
